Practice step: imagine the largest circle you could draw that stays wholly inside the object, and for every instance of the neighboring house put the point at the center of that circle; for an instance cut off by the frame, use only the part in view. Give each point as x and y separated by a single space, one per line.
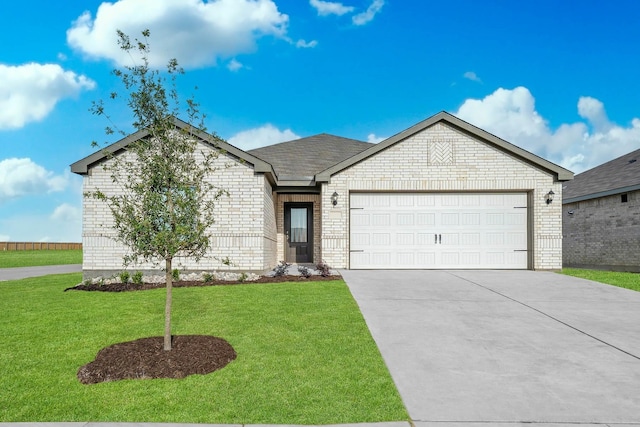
601 216
441 194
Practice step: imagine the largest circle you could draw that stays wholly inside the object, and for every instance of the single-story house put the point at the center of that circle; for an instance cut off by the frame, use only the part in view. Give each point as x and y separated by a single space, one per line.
601 216
441 194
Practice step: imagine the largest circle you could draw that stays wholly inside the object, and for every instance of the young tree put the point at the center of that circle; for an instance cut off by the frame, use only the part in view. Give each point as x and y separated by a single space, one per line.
166 200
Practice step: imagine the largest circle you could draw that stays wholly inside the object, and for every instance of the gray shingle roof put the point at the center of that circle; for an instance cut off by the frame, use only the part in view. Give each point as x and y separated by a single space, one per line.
306 157
616 176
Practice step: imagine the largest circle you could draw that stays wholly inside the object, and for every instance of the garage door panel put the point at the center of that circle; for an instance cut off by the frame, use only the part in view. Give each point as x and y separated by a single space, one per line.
417 230
405 219
426 218
381 220
381 239
360 220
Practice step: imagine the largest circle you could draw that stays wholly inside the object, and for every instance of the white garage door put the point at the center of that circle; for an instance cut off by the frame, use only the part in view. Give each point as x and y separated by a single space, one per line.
437 230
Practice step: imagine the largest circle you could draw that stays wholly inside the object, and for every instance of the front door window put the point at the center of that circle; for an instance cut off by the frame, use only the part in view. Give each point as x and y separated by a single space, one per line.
298 225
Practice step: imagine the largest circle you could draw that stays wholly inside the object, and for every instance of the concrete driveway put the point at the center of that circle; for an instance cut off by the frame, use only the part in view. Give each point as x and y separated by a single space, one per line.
24 272
505 346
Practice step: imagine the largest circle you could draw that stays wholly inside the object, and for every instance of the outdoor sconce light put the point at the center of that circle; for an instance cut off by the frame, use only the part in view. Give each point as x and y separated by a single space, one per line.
334 198
550 195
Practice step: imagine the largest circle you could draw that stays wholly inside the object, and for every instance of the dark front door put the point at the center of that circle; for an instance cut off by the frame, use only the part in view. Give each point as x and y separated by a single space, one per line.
298 228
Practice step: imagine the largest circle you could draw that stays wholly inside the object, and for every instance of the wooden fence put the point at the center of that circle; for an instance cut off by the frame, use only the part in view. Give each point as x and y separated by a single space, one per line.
30 246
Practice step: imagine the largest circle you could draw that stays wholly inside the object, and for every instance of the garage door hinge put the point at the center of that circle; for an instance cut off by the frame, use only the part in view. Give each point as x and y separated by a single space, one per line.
521 250
519 207
356 250
353 209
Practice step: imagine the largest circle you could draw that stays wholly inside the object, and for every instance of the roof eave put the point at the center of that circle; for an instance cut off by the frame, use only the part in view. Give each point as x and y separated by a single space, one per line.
600 194
81 167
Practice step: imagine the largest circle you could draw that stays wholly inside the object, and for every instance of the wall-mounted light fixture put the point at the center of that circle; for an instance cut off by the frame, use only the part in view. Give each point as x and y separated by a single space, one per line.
571 212
334 198
550 195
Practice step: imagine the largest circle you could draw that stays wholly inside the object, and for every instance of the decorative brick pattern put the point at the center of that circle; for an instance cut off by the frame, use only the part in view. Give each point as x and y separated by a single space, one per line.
602 233
475 166
244 231
441 152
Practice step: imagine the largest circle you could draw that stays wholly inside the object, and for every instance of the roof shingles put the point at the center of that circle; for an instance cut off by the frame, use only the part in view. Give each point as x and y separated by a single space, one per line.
304 158
618 174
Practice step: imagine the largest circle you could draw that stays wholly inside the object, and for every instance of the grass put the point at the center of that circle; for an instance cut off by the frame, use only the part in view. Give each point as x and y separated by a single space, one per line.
36 258
615 278
305 355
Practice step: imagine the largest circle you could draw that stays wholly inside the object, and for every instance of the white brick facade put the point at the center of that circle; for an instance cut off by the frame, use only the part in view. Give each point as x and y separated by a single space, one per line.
443 159
441 154
245 228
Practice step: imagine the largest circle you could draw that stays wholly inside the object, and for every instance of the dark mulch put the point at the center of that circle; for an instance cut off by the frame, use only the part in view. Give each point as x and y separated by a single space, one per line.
146 358
125 287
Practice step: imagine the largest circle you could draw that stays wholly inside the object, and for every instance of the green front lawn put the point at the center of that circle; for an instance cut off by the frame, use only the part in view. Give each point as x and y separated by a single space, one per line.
305 355
615 278
36 258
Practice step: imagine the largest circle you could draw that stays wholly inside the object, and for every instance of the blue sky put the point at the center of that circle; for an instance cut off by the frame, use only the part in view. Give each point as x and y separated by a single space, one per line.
558 78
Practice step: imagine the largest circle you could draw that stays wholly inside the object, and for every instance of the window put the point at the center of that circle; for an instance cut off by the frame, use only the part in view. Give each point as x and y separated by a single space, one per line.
623 198
298 225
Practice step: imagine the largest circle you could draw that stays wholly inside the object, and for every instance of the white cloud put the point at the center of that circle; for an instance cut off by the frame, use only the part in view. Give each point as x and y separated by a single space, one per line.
511 115
325 8
470 75
194 32
29 92
21 177
234 65
66 212
5 238
305 44
369 14
372 138
260 137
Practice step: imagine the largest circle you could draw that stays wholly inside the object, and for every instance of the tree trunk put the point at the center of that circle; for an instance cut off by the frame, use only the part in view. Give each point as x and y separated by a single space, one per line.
167 306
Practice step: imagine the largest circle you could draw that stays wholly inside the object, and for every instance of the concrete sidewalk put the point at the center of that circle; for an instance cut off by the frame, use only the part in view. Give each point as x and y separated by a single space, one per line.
25 272
98 424
505 347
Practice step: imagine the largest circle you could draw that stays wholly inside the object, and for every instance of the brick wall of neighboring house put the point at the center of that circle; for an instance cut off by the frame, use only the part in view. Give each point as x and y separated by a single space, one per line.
603 233
317 215
440 158
239 233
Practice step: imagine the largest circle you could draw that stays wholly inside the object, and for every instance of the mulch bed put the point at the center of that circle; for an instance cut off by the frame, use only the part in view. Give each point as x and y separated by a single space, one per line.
146 358
125 287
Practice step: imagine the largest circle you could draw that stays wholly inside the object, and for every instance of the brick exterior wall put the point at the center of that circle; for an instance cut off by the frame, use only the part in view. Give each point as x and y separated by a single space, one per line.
244 230
317 218
603 233
441 158
270 256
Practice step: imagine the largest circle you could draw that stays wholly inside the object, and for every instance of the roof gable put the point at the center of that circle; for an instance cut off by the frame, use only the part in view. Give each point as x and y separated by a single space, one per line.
82 166
619 175
561 173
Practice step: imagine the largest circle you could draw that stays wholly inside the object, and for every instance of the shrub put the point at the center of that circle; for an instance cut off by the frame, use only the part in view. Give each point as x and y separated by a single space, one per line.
124 276
323 268
136 278
281 269
304 271
176 274
207 277
243 277
87 282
